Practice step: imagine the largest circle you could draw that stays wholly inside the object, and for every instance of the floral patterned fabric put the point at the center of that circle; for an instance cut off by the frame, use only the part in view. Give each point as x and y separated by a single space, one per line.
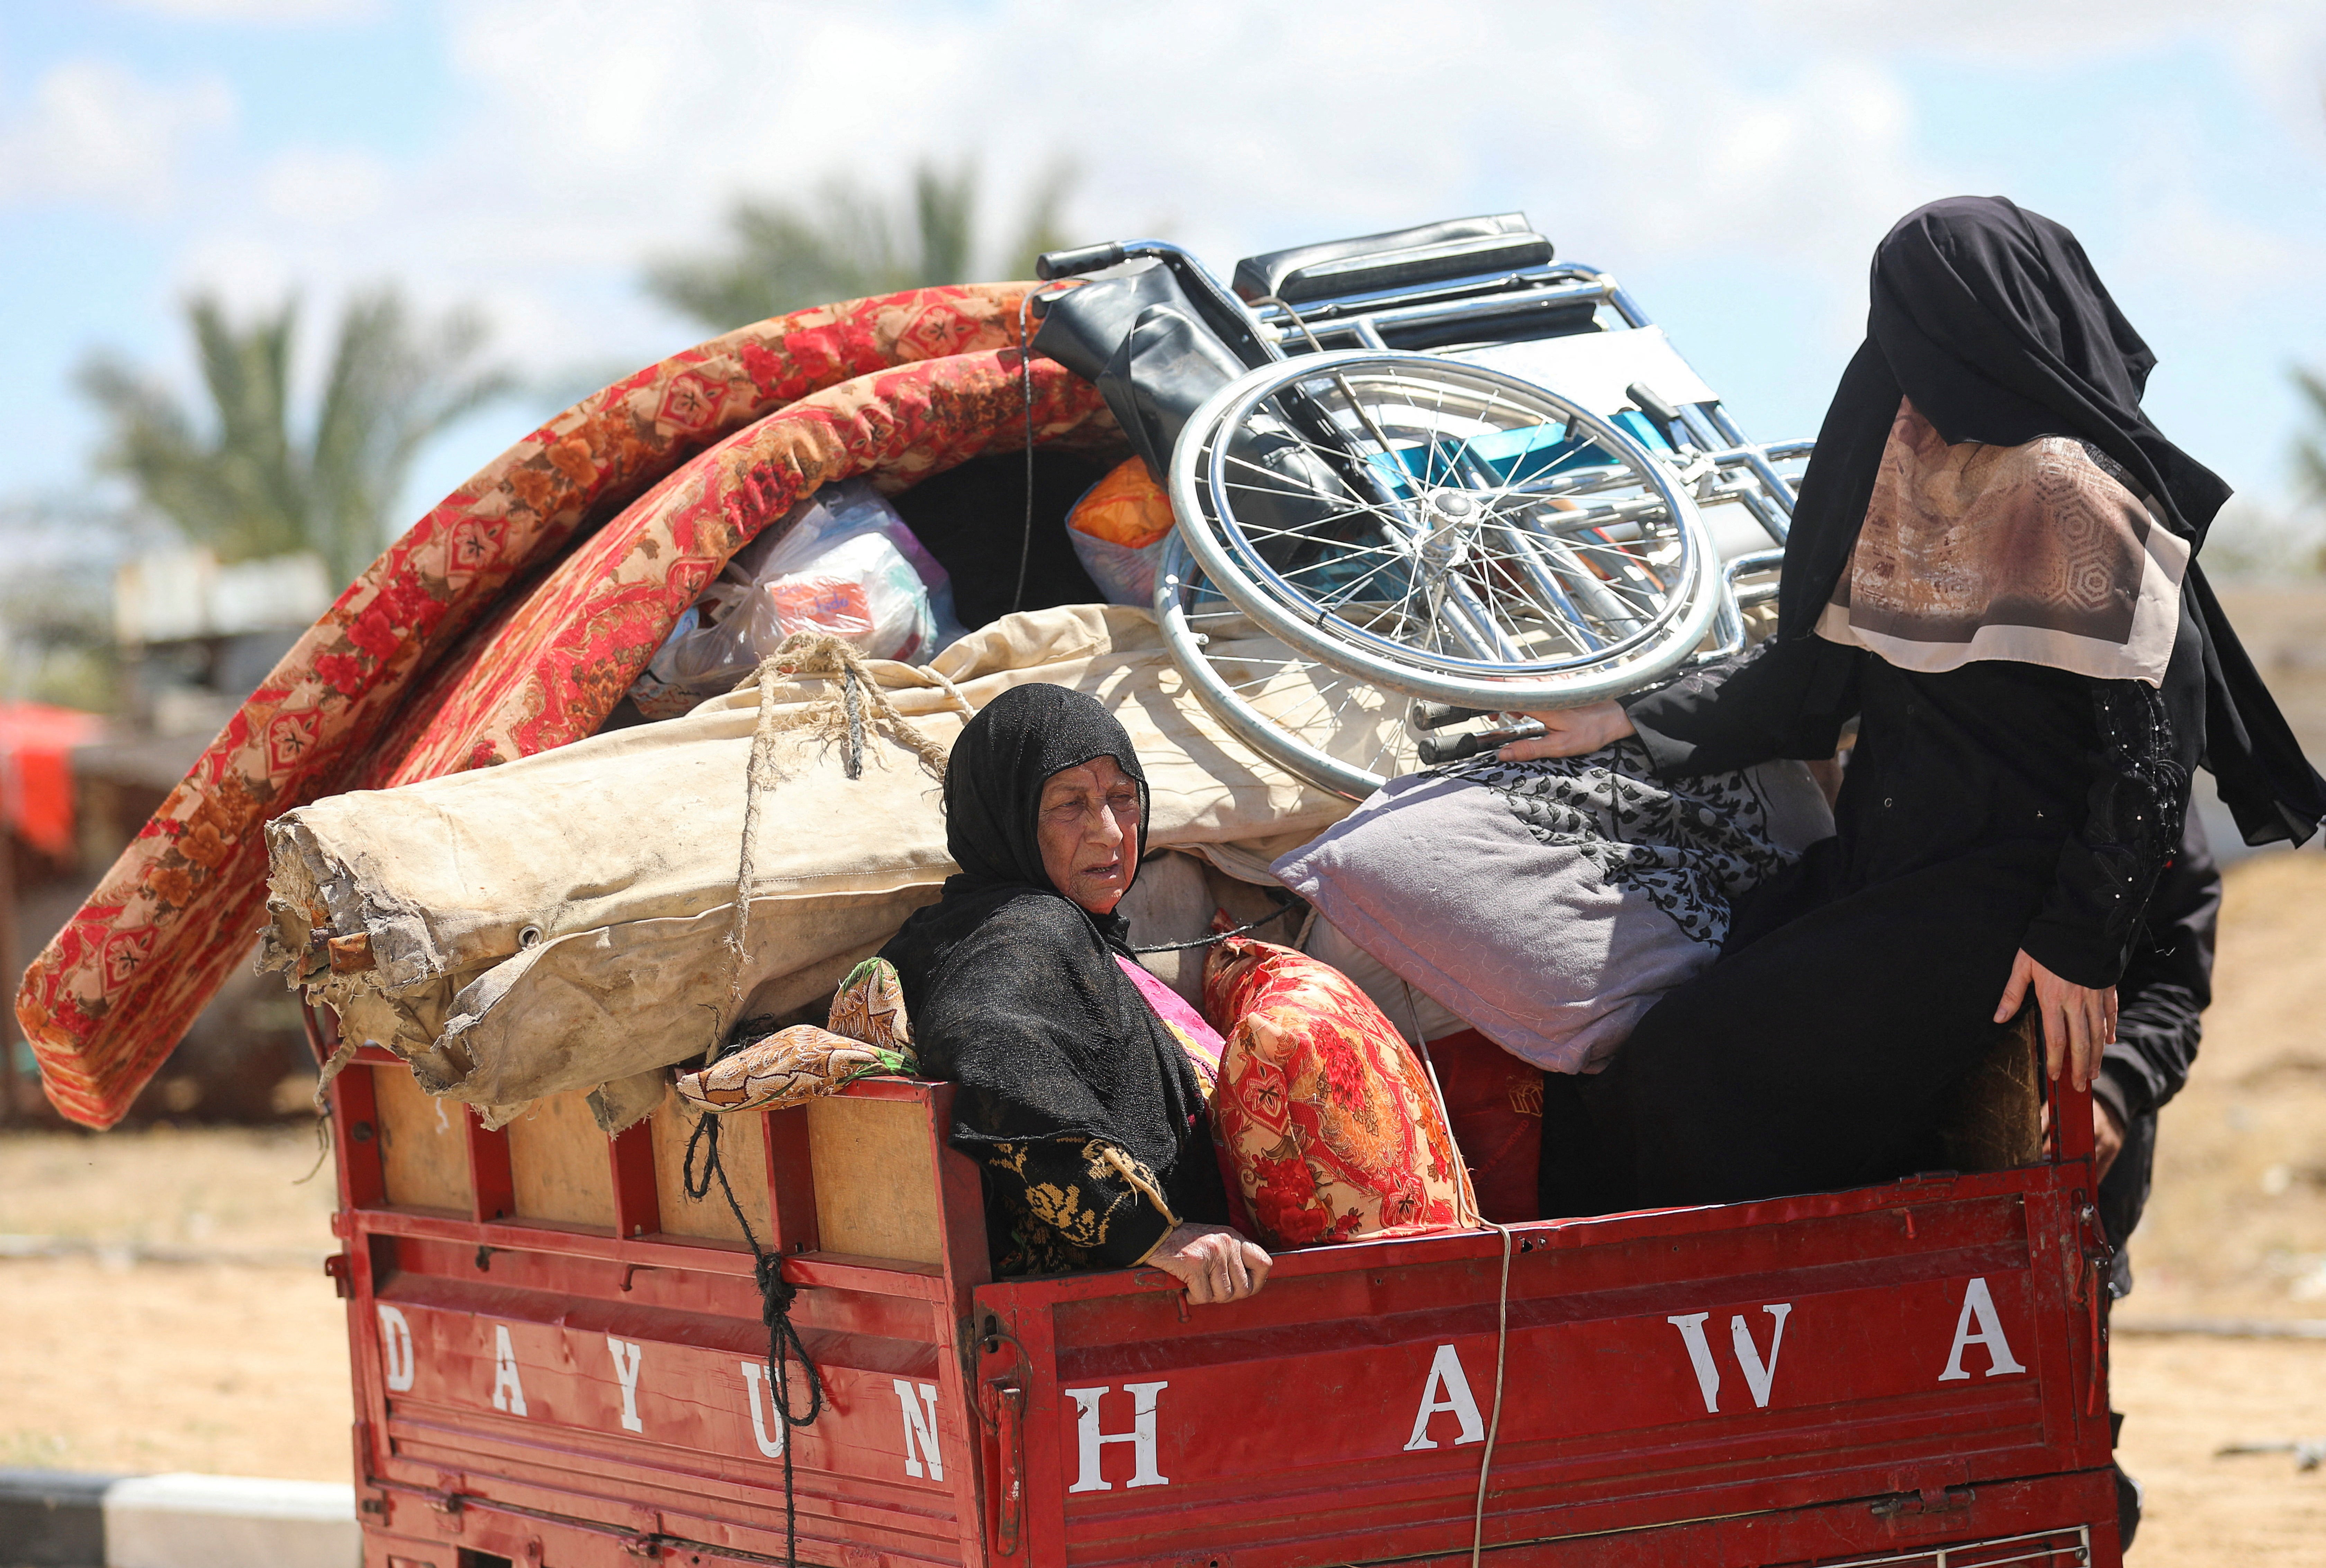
554 667
1322 1107
871 1034
870 1006
529 650
789 1067
1062 1205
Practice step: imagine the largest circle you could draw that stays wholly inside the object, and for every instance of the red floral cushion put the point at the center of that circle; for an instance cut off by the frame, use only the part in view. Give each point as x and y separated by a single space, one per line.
1322 1107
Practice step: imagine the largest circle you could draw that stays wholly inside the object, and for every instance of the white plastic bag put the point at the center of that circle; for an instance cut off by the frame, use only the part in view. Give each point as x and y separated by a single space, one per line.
849 566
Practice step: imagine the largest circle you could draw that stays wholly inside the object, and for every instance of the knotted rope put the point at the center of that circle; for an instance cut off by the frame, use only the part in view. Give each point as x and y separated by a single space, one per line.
861 706
775 1297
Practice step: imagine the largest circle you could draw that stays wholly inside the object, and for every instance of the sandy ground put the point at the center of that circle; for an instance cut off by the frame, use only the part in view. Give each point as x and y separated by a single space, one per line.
240 1367
107 1363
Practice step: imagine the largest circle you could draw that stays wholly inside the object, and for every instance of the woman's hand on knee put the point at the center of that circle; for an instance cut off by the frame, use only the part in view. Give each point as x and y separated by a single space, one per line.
1571 732
1214 1262
2079 1021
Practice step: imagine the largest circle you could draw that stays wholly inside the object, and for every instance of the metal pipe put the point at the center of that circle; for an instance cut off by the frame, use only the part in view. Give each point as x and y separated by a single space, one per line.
1729 619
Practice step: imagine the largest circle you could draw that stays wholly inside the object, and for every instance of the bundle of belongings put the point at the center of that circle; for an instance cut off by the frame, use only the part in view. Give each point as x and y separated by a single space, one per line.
528 930
569 921
709 895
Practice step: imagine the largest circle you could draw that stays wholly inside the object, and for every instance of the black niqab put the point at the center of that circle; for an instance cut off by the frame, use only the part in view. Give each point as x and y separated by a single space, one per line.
1991 321
1013 989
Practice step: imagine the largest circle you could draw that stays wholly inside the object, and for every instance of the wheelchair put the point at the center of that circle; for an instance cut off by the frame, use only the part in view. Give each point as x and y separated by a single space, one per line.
1448 478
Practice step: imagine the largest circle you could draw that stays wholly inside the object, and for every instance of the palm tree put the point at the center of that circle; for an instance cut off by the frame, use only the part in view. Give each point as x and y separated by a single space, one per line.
256 483
2310 448
844 244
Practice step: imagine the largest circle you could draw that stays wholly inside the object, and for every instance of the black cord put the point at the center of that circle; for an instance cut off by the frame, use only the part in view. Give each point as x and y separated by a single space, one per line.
775 1297
1279 913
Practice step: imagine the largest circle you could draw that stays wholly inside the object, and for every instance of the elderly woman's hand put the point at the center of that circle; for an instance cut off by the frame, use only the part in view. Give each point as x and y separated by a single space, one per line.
1214 1263
1571 732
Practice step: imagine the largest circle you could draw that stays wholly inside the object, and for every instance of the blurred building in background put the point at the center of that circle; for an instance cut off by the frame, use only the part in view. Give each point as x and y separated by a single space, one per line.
192 639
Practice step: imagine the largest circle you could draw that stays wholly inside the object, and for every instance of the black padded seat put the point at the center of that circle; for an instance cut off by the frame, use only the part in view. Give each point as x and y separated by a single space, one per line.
1404 258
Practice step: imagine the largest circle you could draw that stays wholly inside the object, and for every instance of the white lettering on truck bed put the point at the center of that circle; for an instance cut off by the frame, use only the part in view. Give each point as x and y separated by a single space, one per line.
396 1363
1445 1377
1979 1303
1760 1376
626 1356
919 1432
508 1389
1141 1437
772 1447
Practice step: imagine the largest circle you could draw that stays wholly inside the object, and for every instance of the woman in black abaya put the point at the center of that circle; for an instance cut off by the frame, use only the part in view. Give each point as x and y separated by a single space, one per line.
1991 570
1078 1101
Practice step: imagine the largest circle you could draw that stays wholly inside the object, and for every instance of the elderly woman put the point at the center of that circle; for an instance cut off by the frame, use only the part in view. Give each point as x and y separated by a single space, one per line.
1076 1097
1991 570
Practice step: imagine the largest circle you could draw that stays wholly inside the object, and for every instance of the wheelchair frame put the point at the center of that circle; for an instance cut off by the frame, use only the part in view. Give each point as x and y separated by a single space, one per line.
1463 312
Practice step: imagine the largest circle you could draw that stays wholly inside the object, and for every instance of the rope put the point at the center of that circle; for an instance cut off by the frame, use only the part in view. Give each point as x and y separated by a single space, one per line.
1279 913
1026 382
331 1069
861 706
1502 1295
968 708
1494 1423
776 1298
810 655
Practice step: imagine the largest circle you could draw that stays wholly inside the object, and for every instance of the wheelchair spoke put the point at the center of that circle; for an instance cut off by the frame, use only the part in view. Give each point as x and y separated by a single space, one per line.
1375 517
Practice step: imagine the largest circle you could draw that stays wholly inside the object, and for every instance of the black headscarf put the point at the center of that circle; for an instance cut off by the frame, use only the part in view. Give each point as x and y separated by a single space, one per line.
1991 321
1013 989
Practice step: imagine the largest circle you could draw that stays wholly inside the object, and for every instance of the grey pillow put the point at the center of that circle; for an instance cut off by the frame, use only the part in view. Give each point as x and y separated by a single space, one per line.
1550 903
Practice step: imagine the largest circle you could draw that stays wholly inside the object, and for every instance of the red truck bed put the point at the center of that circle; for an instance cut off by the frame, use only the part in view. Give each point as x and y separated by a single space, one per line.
558 1360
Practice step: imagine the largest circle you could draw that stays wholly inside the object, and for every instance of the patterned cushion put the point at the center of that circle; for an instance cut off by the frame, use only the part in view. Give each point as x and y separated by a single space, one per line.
1549 904
870 1034
1322 1107
787 1068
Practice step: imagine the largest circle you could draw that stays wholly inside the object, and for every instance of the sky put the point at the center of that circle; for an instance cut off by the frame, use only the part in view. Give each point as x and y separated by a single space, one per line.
1734 164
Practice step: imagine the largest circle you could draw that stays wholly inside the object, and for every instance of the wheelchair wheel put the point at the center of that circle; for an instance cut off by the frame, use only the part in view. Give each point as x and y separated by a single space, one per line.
1445 531
1340 732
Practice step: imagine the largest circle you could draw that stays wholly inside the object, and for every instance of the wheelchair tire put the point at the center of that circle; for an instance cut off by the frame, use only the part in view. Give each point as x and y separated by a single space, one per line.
1442 530
1338 731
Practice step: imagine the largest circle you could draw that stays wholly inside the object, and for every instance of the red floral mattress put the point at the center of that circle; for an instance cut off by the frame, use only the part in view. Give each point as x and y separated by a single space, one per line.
488 633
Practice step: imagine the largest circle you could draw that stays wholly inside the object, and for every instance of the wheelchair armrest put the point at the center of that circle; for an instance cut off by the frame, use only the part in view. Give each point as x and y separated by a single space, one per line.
1400 259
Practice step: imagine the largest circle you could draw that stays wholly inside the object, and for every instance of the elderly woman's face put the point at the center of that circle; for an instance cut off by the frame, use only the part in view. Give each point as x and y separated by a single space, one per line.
1089 832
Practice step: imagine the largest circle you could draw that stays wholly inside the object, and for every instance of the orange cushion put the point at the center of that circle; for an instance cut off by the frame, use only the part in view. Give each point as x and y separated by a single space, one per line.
1322 1109
1127 507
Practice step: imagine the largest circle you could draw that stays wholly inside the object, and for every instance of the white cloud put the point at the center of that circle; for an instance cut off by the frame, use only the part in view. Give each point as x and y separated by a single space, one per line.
260 11
583 138
325 187
94 131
